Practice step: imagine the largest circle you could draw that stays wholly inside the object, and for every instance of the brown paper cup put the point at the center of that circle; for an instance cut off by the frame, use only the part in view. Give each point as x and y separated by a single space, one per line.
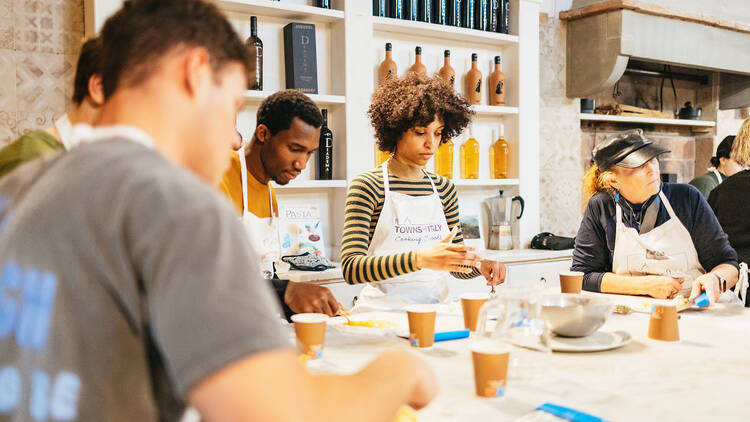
490 367
470 303
311 333
421 325
571 282
663 324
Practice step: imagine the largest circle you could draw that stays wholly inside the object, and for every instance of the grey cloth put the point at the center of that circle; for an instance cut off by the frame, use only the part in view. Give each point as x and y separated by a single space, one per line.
124 281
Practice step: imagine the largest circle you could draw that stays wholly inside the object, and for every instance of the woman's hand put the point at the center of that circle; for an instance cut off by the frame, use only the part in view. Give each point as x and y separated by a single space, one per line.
708 283
493 271
661 286
446 256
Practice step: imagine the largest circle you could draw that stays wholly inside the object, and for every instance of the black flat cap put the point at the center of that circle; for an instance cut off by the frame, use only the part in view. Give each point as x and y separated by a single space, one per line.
629 149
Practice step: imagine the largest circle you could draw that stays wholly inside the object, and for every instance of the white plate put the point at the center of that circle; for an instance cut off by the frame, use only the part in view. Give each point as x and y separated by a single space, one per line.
597 342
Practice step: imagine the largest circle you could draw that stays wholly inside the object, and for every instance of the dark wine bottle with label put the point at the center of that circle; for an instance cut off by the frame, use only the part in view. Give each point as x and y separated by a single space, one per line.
425 10
467 13
454 12
411 10
504 26
440 12
325 150
494 15
325 4
480 14
379 8
396 9
254 47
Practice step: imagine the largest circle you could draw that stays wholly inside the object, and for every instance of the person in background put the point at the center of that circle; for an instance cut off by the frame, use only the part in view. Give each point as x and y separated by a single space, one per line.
286 135
731 199
132 307
723 166
640 236
401 229
87 100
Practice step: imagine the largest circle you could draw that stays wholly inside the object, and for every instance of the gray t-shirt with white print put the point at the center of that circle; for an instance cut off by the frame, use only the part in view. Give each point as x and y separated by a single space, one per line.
124 281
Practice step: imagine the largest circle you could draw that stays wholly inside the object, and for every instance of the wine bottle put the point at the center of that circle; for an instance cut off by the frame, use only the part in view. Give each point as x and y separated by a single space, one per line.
454 12
418 67
444 159
494 15
325 150
505 17
425 10
388 66
411 10
254 47
446 72
439 11
325 4
474 82
379 8
499 156
497 85
396 9
381 156
467 13
470 158
480 14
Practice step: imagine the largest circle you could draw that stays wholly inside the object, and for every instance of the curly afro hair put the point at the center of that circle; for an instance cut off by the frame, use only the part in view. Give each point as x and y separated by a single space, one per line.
414 100
279 109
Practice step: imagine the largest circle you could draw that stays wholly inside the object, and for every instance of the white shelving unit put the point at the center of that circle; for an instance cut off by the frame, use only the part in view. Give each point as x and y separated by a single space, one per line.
646 120
350 46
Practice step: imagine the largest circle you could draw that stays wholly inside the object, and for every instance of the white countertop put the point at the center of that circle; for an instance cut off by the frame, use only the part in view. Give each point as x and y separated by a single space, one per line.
704 376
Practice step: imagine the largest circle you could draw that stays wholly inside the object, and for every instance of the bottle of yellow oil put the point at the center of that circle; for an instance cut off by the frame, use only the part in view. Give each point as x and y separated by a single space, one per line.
499 156
444 159
381 156
470 158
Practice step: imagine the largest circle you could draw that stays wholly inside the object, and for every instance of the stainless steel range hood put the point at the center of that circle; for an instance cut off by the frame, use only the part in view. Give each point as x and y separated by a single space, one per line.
603 36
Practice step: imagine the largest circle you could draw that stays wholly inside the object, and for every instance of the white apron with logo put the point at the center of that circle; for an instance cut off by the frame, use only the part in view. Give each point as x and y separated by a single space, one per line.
665 250
406 223
262 232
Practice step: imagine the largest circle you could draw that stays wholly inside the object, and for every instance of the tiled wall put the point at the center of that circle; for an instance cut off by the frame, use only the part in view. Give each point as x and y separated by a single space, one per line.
39 46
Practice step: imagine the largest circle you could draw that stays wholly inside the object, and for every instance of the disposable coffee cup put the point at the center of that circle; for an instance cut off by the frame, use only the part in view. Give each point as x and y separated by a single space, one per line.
663 323
311 333
571 282
490 360
470 304
421 325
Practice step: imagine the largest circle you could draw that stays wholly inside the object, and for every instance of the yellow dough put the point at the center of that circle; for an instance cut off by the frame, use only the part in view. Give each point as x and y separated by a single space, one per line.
406 414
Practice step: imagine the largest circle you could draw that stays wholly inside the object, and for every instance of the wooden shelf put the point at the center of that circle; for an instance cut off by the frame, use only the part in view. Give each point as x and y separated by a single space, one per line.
447 32
256 97
312 184
485 182
486 110
645 120
292 12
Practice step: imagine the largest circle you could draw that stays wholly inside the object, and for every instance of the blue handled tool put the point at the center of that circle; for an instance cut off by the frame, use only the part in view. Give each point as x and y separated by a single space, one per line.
568 414
702 300
451 335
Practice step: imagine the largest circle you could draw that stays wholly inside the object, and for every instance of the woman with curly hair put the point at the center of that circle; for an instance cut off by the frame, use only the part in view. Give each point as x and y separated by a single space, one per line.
401 231
640 236
731 199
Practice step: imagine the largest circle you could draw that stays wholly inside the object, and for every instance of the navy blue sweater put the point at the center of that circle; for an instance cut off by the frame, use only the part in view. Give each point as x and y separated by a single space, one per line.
595 242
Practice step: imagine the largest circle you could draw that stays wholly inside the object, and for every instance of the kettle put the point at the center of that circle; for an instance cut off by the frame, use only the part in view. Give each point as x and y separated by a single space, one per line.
499 210
688 112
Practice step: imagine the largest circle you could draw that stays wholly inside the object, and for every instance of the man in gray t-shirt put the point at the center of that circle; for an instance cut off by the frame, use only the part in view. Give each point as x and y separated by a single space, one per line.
131 300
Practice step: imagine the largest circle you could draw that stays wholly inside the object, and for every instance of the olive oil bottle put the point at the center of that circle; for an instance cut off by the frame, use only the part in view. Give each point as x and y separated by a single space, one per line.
470 158
499 156
444 159
381 156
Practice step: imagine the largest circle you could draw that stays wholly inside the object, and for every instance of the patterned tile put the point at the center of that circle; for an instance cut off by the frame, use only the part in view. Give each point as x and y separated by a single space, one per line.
7 80
48 26
7 127
6 24
560 199
41 81
26 121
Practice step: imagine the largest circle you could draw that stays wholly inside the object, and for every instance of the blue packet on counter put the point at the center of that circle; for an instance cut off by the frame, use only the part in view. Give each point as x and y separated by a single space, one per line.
702 300
549 412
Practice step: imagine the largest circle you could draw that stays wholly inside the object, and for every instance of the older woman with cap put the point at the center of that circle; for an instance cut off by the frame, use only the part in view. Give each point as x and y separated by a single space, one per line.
640 236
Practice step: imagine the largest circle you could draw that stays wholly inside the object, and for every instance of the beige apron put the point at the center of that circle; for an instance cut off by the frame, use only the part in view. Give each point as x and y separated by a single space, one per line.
406 223
262 232
665 250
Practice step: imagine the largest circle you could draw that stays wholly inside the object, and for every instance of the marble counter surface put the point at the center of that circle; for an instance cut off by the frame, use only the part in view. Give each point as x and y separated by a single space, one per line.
704 376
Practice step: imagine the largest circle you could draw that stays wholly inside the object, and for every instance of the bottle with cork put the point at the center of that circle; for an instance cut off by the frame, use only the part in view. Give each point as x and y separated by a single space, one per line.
474 82
497 85
387 68
470 157
446 72
499 155
418 67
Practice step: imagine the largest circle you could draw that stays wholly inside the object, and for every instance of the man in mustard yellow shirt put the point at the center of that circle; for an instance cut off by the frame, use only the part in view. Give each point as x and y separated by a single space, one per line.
286 135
